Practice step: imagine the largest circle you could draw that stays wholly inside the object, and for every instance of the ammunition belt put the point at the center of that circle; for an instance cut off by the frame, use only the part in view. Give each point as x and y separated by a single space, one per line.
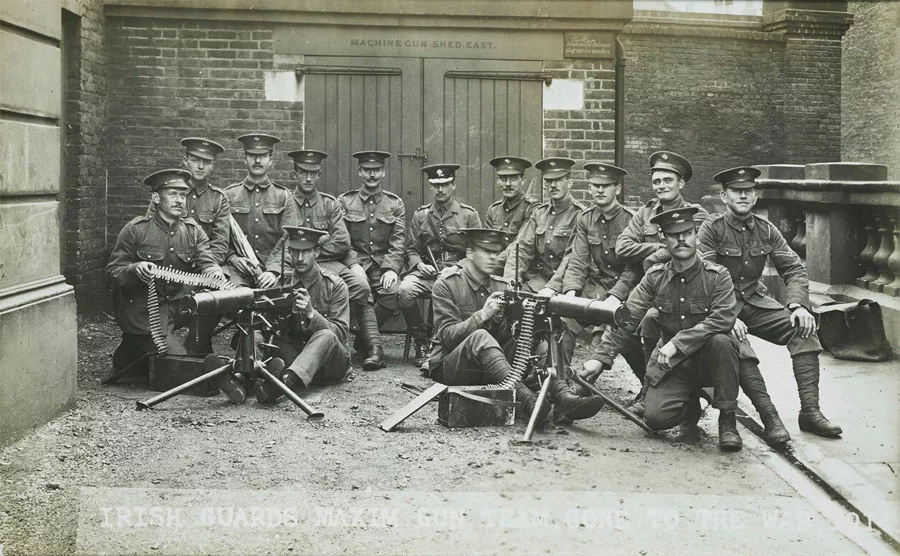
523 348
180 277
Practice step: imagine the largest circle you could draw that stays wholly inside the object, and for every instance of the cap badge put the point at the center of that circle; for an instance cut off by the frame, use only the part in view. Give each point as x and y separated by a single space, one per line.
440 172
665 157
256 139
552 163
205 144
505 161
601 168
742 172
675 215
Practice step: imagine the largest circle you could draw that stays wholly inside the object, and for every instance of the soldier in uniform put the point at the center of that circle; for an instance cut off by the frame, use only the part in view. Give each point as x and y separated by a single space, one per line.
544 241
313 339
165 238
594 268
376 220
642 241
742 242
209 206
509 213
322 211
697 311
473 337
261 207
433 244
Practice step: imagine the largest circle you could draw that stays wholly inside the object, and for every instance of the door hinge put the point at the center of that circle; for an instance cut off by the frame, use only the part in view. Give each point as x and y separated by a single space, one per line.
419 154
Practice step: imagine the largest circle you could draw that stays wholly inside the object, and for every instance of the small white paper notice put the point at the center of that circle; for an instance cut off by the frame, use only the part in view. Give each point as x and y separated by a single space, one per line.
564 94
283 86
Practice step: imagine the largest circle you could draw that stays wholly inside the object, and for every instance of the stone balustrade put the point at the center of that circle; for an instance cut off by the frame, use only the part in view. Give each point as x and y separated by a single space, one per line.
842 218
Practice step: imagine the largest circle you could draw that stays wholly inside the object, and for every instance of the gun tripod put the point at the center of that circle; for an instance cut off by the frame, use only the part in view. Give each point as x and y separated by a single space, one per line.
245 364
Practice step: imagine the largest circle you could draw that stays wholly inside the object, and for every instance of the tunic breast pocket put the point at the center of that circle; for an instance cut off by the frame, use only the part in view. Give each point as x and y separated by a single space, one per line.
185 260
561 239
205 217
651 233
320 225
540 238
699 310
384 225
597 249
151 255
272 217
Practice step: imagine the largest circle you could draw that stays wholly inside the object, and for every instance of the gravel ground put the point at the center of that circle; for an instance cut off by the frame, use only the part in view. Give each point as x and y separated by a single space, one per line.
207 443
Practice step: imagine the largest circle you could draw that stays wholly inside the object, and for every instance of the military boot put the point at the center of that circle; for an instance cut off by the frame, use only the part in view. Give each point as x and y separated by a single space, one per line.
422 344
368 328
729 439
268 392
806 373
754 386
375 360
527 401
231 386
569 406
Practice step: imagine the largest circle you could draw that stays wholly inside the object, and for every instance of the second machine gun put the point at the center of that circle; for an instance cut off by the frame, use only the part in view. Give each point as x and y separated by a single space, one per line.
257 311
539 318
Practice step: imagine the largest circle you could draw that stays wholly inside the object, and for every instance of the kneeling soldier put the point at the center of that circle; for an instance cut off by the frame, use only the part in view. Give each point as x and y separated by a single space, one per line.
313 339
697 311
471 331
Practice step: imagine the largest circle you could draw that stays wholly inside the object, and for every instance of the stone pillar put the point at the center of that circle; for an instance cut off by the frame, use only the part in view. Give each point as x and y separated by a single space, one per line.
811 96
37 308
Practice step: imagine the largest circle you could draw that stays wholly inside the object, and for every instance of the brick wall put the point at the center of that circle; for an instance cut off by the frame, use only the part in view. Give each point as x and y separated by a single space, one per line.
588 134
709 94
870 82
172 79
85 250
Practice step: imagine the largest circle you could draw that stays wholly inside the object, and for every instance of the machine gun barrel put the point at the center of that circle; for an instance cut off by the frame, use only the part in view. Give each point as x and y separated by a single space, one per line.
589 310
210 303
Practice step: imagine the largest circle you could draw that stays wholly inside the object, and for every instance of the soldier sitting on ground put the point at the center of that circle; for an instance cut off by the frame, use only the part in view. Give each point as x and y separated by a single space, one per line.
472 336
312 340
164 238
697 311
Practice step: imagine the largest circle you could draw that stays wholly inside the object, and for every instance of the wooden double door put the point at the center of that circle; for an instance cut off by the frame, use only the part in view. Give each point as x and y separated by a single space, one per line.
423 111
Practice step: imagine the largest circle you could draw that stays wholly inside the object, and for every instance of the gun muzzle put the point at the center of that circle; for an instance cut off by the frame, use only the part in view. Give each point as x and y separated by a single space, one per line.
210 303
589 310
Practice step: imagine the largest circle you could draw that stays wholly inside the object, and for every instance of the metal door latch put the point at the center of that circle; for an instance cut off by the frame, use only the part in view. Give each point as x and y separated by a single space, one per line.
417 155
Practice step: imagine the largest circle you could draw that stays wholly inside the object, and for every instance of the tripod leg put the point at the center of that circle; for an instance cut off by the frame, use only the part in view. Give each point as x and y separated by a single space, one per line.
311 414
532 421
147 404
613 403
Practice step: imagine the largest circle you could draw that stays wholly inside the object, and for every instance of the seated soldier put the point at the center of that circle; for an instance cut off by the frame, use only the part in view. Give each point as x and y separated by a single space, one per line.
471 331
165 238
313 339
697 311
539 252
742 242
594 268
433 244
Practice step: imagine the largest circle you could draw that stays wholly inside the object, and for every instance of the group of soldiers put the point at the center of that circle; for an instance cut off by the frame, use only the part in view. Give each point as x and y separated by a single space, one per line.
692 280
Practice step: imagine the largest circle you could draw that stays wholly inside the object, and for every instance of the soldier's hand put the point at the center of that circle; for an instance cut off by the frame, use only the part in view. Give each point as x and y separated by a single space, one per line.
547 292
303 303
591 370
267 280
804 319
144 271
359 271
389 280
572 293
666 353
427 270
242 265
612 302
493 305
740 330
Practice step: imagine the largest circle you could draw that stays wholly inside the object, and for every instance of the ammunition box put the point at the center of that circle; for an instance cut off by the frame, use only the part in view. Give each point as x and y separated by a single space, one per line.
169 371
476 406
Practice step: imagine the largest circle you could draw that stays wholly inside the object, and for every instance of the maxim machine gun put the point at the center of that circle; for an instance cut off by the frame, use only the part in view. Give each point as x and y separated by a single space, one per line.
258 311
538 319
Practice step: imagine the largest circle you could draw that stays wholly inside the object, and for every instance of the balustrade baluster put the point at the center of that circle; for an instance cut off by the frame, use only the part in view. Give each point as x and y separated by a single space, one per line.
886 231
798 244
865 258
894 263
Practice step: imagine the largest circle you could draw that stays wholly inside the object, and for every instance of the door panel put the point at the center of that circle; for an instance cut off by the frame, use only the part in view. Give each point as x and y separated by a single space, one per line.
475 116
366 104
